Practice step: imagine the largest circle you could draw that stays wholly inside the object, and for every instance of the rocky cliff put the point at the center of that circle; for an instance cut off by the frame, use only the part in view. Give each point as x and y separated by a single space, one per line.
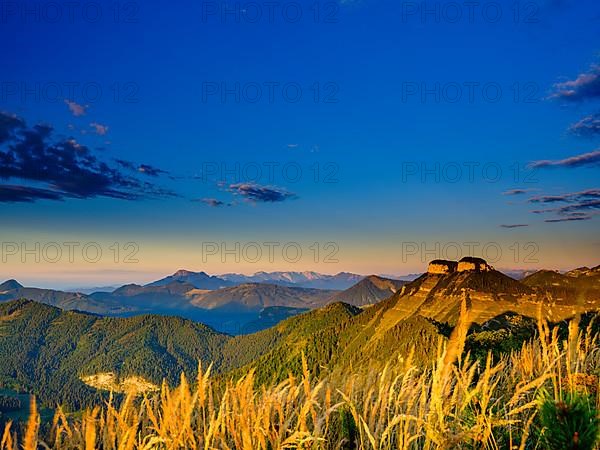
466 264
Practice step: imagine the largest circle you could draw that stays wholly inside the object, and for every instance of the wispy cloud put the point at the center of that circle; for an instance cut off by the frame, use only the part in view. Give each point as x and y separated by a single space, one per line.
568 219
151 170
253 192
516 225
579 206
213 202
76 109
99 129
582 160
144 169
586 86
589 126
26 194
568 197
518 191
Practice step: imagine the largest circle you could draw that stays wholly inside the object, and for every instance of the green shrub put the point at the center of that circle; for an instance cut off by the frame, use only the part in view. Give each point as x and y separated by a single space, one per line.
569 424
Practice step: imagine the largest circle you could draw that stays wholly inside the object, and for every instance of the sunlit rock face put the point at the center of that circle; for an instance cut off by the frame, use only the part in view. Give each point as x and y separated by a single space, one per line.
441 267
470 264
467 264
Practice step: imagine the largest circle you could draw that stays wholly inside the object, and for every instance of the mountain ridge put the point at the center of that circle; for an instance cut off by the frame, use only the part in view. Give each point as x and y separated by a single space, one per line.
444 279
332 338
261 295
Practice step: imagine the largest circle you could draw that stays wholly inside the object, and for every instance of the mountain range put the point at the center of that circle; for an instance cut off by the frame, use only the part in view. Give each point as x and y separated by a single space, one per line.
11 290
54 353
226 305
230 303
313 280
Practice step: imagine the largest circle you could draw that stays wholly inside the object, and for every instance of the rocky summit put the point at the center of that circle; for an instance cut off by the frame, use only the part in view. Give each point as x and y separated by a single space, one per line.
466 264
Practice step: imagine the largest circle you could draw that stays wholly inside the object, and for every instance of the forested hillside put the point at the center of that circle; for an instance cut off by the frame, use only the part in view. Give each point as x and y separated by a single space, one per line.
45 350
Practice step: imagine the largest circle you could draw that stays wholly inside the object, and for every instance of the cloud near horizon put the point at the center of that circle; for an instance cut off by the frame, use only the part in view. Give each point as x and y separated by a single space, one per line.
568 197
516 225
581 205
56 169
568 219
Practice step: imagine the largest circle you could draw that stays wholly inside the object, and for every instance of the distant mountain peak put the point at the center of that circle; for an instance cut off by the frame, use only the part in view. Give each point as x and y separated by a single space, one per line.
9 285
199 280
306 279
182 272
185 273
368 291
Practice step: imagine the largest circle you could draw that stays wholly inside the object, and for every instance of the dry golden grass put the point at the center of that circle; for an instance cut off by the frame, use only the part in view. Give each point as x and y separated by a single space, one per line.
456 403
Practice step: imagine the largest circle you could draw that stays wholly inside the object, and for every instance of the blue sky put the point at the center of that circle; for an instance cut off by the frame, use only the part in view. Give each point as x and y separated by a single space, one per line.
147 81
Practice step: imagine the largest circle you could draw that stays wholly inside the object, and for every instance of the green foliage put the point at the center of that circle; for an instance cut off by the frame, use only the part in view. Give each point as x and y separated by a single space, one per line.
342 433
569 424
8 403
337 338
349 431
500 335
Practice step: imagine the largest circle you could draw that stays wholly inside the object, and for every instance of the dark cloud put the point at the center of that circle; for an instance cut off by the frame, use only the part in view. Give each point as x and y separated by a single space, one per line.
586 86
569 197
145 169
517 191
19 194
126 164
589 126
585 159
9 125
568 219
256 193
516 225
61 168
579 205
212 202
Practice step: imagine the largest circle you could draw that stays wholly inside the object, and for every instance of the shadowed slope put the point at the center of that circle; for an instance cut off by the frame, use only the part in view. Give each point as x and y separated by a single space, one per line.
369 291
